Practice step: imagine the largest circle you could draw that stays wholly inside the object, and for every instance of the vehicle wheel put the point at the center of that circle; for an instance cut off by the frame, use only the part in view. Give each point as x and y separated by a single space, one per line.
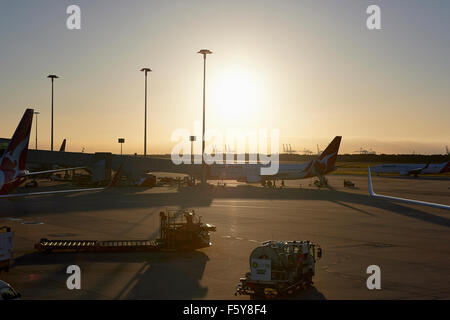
308 279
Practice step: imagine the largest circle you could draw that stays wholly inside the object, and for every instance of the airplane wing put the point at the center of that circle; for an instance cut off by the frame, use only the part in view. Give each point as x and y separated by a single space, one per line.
28 174
22 195
422 203
418 170
43 193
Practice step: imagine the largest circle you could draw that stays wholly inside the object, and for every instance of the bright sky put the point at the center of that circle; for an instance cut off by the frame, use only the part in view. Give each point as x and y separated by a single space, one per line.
312 69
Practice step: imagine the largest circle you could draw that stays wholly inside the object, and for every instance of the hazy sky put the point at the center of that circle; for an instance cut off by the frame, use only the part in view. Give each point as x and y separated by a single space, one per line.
312 69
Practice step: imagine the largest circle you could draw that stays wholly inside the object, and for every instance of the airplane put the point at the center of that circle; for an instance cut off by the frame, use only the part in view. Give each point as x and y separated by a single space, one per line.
250 173
12 164
63 146
422 203
406 169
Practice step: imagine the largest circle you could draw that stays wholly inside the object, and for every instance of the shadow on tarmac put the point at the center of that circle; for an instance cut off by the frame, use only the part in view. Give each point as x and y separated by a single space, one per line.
309 294
189 197
162 275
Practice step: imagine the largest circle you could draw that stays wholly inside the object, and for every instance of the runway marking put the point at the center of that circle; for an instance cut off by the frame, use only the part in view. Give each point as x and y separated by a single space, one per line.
246 201
262 207
235 206
241 239
32 222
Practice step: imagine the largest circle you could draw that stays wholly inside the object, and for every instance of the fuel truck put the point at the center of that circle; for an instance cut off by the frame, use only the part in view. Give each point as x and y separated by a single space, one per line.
280 268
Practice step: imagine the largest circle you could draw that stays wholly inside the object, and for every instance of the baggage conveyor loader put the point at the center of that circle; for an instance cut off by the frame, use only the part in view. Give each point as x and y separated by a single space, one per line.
179 230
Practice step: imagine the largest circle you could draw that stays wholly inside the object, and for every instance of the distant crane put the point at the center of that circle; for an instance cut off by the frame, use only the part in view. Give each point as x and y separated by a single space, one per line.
319 152
364 151
228 149
307 152
287 148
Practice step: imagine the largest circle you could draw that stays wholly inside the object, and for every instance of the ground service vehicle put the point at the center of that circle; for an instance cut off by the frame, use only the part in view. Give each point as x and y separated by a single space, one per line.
6 248
179 230
279 268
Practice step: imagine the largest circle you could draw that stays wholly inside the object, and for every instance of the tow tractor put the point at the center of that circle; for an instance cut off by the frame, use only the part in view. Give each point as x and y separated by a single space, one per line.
179 230
6 248
279 268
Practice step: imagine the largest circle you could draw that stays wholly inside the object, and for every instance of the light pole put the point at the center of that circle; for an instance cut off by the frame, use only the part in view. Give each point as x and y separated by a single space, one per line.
204 52
53 77
36 113
121 141
145 70
192 139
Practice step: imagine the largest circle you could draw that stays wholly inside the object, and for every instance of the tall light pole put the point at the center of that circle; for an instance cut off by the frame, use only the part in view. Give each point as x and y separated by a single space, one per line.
53 77
204 52
121 141
36 113
192 139
145 70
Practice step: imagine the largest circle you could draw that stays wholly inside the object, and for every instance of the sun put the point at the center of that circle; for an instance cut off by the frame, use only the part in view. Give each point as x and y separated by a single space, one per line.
237 95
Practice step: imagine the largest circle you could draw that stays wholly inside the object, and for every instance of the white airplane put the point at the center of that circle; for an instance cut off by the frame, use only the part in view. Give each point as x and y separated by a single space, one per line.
422 203
12 164
250 173
406 169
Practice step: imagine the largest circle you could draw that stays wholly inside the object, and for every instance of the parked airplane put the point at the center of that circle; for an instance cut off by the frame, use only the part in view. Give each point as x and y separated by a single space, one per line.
12 164
406 169
422 203
324 164
63 146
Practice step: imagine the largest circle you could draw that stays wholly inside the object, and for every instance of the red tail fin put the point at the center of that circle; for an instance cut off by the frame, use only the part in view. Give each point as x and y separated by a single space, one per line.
446 168
327 160
15 155
115 178
63 146
332 149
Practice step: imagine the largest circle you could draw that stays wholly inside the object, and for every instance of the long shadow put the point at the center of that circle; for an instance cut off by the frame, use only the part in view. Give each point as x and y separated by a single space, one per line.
163 275
309 294
353 208
128 198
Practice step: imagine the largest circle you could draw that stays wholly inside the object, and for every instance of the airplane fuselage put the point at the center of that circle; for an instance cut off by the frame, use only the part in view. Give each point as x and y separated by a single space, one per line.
412 168
251 172
246 172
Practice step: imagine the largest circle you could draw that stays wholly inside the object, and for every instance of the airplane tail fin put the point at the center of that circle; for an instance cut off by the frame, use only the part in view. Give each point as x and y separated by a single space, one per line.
63 146
329 155
115 178
332 148
15 155
446 168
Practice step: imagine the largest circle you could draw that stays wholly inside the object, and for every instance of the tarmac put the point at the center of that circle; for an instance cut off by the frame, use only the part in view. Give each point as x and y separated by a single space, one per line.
410 243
